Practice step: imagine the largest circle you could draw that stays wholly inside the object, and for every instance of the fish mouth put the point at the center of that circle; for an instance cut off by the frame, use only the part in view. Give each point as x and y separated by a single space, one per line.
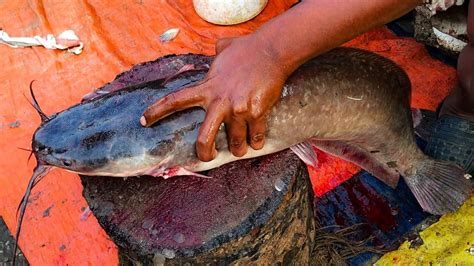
52 160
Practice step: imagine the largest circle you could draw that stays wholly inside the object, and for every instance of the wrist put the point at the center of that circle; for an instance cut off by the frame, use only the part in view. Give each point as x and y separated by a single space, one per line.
269 53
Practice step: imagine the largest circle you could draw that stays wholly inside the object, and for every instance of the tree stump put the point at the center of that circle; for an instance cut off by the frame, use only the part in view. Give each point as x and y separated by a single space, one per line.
255 211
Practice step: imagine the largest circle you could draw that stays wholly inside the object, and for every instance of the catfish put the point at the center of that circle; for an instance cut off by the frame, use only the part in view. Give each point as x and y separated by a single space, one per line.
348 102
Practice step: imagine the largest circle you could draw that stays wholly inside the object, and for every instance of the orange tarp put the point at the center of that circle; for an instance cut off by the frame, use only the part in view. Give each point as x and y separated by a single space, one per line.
117 35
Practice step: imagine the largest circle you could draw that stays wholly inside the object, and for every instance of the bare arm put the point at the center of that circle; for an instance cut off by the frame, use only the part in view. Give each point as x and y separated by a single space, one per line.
246 77
315 26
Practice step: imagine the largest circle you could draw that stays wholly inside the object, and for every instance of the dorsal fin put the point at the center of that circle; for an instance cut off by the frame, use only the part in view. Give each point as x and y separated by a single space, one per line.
44 117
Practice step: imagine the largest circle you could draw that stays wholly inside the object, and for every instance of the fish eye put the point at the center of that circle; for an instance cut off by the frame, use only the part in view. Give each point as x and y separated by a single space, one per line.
42 148
46 150
66 162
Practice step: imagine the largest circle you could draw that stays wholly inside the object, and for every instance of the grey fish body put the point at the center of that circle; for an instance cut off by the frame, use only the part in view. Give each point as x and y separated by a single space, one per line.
348 102
345 95
324 99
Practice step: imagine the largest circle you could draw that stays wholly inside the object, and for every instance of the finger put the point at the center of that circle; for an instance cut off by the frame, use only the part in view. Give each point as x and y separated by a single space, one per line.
205 144
222 44
236 130
257 130
176 101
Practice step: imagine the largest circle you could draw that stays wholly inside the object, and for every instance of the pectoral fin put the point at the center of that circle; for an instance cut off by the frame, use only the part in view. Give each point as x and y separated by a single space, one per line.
180 171
305 151
172 172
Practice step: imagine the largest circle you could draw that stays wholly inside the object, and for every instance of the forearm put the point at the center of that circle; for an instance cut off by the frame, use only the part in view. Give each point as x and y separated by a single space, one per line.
315 26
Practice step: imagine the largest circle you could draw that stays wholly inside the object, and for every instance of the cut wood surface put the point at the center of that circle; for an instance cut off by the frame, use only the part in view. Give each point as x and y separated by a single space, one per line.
257 211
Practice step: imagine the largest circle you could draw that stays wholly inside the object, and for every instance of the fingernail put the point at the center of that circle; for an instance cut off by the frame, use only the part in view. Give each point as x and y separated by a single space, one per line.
143 121
257 137
236 143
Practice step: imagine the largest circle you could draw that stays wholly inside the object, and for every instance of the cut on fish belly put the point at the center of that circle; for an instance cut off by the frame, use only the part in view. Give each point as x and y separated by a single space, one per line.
103 136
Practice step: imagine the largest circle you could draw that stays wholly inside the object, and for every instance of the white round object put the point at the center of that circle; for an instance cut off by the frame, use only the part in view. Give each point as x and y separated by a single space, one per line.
228 12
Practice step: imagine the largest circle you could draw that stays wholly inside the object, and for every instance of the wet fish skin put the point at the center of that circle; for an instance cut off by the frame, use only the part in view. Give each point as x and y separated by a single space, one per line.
88 136
347 102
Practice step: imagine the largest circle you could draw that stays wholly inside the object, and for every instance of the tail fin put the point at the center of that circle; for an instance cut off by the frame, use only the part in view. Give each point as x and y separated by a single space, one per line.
439 186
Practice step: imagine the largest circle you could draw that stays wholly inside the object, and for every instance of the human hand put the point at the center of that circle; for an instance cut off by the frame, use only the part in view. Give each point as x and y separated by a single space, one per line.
243 83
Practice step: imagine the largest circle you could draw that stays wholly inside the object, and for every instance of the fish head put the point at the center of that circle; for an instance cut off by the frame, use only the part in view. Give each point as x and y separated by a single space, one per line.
104 136
52 153
64 144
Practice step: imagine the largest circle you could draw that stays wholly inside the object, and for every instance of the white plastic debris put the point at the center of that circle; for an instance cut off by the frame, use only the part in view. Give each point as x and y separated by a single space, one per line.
441 5
448 41
67 40
169 35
